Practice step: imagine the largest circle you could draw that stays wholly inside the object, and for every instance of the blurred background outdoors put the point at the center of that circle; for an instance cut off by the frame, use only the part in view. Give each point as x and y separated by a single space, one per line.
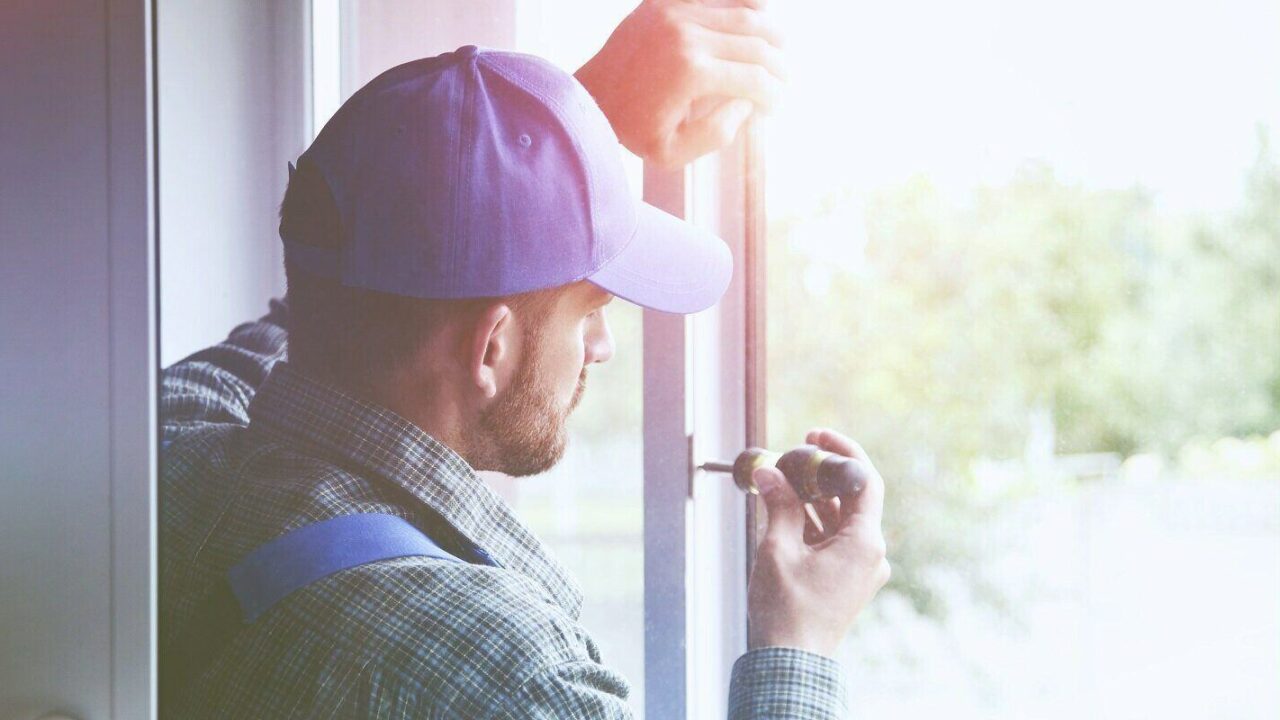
1029 255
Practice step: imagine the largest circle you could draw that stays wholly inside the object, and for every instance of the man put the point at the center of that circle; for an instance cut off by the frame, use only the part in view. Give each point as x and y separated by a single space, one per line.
452 238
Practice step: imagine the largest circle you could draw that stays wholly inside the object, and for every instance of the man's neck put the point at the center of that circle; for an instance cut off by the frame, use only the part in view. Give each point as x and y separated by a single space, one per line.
431 409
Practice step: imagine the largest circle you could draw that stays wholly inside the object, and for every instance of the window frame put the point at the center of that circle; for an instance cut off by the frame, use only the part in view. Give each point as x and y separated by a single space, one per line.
703 400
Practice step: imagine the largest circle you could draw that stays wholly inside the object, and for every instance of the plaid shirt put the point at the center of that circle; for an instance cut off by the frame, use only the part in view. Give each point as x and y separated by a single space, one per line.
253 449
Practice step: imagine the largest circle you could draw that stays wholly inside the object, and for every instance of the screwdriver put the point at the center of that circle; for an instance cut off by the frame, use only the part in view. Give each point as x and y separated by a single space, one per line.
814 473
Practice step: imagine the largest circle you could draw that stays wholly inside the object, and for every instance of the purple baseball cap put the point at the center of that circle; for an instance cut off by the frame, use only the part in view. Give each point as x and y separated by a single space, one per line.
481 173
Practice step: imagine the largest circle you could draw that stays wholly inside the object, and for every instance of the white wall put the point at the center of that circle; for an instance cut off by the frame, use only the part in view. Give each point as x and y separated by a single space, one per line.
232 93
76 359
234 81
377 36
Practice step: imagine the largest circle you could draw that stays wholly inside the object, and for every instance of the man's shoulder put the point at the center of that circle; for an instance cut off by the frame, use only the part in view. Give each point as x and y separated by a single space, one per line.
440 616
458 637
253 461
209 470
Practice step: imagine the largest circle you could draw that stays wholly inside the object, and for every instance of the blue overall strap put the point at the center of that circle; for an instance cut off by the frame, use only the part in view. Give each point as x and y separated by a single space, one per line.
309 553
274 570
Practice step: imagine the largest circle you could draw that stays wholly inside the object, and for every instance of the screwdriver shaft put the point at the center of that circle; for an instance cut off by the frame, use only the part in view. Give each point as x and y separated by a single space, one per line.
720 467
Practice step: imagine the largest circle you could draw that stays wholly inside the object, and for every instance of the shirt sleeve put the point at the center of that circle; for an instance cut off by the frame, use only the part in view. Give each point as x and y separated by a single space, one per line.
775 682
216 385
783 683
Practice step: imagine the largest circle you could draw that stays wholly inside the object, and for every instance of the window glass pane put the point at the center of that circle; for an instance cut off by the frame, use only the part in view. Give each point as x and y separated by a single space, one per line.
1029 255
588 509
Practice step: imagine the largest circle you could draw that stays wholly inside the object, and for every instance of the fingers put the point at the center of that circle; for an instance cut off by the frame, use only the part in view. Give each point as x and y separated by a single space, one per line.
743 44
858 533
786 514
829 515
753 4
870 501
747 20
739 79
829 511
751 50
835 442
710 131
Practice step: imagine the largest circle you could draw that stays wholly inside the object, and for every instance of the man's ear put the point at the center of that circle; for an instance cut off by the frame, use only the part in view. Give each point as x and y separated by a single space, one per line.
490 347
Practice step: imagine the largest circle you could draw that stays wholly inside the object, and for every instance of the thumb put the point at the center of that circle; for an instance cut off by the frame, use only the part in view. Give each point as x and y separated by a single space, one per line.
786 514
713 123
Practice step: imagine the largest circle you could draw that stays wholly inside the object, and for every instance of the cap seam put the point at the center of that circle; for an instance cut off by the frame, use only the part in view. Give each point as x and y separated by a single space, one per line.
558 111
464 141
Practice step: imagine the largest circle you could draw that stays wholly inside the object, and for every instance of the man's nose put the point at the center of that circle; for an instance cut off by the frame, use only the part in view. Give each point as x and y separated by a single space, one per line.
599 343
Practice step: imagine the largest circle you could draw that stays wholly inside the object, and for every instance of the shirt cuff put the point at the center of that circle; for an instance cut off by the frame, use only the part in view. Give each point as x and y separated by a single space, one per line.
781 682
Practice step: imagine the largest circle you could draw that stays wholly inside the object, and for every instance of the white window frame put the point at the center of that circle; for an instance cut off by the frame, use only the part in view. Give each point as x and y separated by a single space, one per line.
698 378
132 355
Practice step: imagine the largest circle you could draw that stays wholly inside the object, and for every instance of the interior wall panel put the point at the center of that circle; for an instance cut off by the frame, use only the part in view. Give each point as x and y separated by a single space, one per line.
75 358
232 89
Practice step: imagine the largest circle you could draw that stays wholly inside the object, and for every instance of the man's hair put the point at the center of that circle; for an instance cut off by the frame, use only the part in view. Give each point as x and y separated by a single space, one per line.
353 336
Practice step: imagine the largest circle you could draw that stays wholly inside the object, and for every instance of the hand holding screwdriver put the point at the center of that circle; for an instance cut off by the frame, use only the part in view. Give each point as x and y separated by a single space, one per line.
807 596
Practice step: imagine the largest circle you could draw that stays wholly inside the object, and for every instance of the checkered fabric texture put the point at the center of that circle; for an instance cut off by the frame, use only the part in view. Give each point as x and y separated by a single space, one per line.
253 449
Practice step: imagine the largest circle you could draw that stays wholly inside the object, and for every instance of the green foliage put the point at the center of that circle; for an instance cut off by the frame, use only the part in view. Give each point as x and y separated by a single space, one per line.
934 331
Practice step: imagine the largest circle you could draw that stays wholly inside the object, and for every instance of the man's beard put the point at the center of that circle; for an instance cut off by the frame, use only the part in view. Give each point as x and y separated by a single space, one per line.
525 429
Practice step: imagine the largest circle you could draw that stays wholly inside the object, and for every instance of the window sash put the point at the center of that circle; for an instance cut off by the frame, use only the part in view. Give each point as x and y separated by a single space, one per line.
698 378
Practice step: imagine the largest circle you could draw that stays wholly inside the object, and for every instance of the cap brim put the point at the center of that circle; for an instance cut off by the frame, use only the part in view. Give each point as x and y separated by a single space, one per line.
670 265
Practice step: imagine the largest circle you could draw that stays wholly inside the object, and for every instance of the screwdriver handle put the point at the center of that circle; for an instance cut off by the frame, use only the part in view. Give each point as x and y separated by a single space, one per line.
814 473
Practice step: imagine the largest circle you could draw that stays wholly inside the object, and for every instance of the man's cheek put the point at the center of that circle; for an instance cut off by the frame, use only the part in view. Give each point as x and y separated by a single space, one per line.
579 389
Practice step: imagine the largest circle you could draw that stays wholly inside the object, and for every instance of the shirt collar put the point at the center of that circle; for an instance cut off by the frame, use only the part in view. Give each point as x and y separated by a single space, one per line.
386 445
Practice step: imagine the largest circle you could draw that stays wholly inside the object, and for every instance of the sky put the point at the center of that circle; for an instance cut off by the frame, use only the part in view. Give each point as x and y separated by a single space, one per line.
1166 95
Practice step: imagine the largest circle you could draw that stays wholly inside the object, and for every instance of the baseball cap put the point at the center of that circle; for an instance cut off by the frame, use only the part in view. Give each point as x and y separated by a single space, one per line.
481 173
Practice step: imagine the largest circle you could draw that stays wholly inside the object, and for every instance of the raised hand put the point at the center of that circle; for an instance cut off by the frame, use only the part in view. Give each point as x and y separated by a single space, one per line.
677 79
